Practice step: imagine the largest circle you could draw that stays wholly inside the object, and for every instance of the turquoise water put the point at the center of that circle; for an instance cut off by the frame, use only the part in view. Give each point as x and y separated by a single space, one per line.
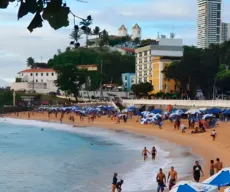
66 159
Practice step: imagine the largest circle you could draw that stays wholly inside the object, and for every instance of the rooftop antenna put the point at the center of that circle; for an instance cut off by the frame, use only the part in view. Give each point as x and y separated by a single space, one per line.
172 34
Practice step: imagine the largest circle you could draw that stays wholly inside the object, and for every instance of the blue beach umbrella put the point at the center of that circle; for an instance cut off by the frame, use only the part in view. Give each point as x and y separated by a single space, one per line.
220 179
189 186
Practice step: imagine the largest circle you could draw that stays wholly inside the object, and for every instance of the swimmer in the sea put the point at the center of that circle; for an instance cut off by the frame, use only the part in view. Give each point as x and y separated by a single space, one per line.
42 129
145 153
154 152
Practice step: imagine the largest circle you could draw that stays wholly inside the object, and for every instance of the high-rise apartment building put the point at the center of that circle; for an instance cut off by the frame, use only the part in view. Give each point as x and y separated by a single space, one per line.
209 22
225 32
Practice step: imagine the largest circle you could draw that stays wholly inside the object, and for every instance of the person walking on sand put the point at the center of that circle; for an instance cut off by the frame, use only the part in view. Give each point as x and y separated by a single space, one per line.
145 153
154 152
212 168
114 183
213 135
196 171
161 180
173 178
218 165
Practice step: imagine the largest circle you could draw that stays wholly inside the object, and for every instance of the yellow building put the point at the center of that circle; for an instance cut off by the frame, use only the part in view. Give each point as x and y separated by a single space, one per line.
157 78
91 67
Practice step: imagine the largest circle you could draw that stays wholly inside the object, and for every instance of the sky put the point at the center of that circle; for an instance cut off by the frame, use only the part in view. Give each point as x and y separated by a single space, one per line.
153 16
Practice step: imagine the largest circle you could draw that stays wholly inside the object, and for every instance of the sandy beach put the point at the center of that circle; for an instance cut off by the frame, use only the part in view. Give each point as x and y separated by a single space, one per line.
201 144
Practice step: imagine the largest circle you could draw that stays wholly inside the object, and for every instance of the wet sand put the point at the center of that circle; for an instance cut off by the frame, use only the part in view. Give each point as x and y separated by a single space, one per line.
201 144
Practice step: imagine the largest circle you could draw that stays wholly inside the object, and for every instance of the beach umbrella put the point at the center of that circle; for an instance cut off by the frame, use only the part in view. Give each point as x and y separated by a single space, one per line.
156 111
227 190
206 116
190 186
220 179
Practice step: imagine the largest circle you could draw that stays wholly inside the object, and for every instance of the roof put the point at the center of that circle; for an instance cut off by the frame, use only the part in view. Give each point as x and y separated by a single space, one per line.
128 49
122 28
86 66
37 70
136 26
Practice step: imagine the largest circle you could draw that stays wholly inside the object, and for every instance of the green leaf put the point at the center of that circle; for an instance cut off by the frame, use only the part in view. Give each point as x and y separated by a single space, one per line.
4 4
36 22
56 19
28 6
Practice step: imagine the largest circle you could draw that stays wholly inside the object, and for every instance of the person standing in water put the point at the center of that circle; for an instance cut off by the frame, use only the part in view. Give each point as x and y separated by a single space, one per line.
173 178
161 180
154 152
145 153
114 183
196 171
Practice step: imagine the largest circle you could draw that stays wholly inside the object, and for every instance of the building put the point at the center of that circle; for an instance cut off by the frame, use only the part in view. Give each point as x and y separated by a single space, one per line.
92 67
39 80
42 80
123 51
157 78
136 32
122 31
128 80
209 23
163 47
225 31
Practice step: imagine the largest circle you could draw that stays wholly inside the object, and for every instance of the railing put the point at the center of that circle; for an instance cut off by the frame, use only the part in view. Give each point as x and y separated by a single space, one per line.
191 103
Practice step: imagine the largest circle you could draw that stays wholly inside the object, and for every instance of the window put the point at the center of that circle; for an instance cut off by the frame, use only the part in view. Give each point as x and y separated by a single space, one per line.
22 74
126 78
140 54
31 74
218 14
47 74
218 22
52 74
36 80
41 74
41 80
218 30
218 7
36 74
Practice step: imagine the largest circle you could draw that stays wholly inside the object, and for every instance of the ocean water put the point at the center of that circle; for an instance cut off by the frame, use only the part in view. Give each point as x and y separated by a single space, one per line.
66 159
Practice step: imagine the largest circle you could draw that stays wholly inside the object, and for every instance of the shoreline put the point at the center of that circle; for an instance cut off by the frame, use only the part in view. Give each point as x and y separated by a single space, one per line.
200 144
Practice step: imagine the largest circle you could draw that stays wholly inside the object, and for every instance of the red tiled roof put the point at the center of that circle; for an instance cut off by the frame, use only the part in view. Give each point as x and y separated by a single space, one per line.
37 70
128 50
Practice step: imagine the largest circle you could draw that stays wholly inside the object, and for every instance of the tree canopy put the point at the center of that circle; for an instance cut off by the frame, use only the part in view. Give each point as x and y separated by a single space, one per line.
201 69
56 12
113 63
142 89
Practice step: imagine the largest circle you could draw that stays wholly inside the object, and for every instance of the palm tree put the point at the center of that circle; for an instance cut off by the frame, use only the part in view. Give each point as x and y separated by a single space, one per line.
75 35
104 39
31 62
85 23
96 32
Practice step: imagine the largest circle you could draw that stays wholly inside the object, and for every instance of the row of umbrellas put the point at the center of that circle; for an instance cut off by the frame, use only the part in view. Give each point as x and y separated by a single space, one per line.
220 179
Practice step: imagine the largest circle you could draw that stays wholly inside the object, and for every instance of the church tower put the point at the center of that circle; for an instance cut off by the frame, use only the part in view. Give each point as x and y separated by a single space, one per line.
136 32
122 31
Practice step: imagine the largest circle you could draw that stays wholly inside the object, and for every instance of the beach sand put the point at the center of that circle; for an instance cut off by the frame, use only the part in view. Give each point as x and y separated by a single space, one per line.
201 144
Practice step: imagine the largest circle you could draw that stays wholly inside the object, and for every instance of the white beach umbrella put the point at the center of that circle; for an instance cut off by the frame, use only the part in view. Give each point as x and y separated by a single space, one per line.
220 179
227 190
190 186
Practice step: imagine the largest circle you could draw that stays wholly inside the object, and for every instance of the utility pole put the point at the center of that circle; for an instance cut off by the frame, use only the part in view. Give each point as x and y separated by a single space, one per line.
101 94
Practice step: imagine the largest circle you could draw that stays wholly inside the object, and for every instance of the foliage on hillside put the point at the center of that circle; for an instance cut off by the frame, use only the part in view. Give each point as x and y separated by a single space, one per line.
113 63
200 68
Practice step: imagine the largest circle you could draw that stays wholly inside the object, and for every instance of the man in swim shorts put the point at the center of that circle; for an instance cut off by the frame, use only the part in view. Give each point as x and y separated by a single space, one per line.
173 178
145 153
161 180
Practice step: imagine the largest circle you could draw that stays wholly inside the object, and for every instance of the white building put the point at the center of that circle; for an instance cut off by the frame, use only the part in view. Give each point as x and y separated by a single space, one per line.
162 47
136 32
225 31
209 22
122 31
39 80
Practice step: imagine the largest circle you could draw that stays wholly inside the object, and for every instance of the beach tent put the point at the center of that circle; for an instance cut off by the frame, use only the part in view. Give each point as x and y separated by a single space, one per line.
220 179
213 110
190 186
227 190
